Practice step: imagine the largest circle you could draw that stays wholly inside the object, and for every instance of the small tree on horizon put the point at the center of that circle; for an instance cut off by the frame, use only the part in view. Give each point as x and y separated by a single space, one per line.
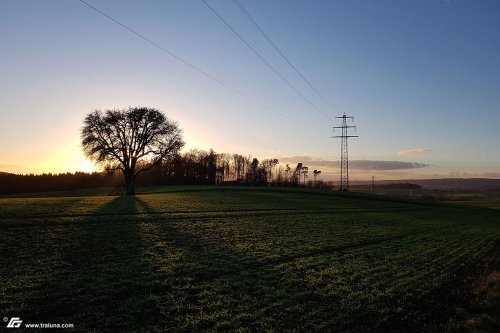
287 173
131 140
296 173
304 170
316 174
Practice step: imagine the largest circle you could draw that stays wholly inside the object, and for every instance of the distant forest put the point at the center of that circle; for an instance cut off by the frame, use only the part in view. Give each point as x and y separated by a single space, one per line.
195 167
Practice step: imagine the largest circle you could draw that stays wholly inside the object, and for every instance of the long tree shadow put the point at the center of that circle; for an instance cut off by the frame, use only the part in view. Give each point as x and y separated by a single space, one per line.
99 283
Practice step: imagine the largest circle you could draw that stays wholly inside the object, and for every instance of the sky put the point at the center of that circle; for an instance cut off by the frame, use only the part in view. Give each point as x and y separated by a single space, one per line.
421 78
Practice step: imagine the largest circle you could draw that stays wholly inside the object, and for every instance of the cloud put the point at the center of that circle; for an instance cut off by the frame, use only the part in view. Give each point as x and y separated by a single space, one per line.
373 165
413 152
295 159
385 165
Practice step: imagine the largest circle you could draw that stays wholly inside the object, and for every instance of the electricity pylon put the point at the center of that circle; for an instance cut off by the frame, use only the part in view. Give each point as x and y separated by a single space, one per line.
344 156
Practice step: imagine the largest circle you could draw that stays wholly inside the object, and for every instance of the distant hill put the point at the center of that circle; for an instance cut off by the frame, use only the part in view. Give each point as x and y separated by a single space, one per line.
482 184
397 186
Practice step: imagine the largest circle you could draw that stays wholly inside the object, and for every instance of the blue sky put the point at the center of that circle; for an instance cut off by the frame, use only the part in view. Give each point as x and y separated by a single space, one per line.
421 78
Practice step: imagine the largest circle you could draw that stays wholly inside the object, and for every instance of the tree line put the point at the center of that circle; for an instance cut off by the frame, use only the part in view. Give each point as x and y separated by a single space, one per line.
208 167
193 167
11 183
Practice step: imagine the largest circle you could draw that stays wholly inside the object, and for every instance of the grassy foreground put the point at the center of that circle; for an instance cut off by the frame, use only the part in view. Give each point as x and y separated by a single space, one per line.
191 259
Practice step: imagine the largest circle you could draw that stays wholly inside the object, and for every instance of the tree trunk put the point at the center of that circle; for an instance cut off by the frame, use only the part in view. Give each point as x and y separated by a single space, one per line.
131 187
129 182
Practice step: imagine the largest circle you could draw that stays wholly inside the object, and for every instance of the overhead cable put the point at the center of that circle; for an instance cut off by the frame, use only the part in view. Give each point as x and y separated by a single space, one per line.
185 62
265 61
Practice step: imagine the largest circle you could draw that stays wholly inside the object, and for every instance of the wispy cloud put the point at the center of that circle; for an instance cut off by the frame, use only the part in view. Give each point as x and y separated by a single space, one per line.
413 152
385 165
374 165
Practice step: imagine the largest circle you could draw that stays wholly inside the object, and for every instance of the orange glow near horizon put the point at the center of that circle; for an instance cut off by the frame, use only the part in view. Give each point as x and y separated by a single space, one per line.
66 157
54 165
69 161
61 153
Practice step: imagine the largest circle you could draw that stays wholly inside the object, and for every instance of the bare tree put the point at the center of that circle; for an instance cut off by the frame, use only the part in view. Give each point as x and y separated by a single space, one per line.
224 164
316 173
279 176
253 171
287 172
296 174
131 140
268 166
239 164
272 163
304 170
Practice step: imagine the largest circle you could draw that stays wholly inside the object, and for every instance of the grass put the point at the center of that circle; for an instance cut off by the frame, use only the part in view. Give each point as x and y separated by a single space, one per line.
489 199
242 259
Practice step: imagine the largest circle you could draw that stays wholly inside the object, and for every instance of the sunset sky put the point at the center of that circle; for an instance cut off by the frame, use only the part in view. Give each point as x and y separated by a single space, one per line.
421 78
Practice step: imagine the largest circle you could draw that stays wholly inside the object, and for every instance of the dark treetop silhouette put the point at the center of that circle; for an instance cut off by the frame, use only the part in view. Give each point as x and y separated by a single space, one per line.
132 140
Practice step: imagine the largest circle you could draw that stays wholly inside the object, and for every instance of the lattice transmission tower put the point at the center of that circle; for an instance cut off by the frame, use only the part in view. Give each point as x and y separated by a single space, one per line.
344 155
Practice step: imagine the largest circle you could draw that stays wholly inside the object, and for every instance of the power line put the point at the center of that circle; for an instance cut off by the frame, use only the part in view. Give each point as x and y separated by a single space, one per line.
185 62
264 60
244 11
360 149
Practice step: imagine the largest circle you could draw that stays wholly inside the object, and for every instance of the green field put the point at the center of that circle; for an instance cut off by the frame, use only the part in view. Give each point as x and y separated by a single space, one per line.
248 259
485 200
